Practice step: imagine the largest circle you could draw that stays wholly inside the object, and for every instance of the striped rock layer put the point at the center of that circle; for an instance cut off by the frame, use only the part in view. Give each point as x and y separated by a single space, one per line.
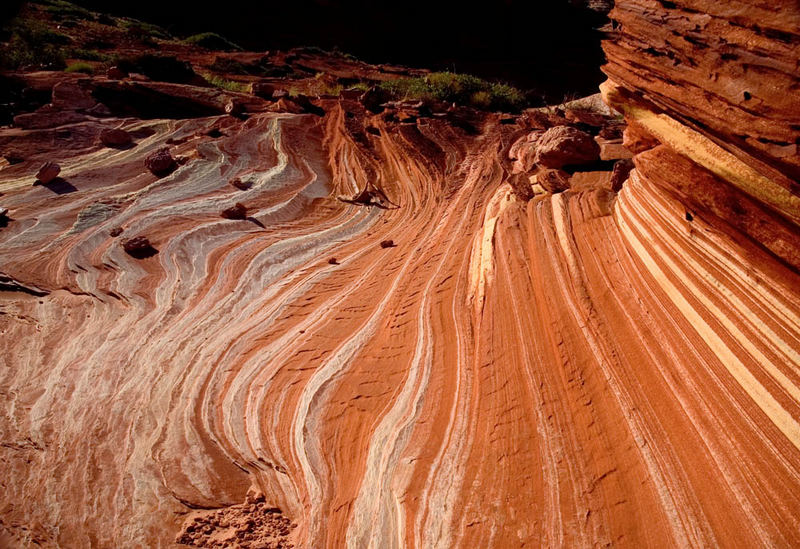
585 368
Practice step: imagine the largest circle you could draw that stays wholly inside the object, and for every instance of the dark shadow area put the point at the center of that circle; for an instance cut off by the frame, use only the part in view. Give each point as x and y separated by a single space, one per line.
59 185
142 253
552 47
142 102
255 222
124 147
597 166
142 133
4 221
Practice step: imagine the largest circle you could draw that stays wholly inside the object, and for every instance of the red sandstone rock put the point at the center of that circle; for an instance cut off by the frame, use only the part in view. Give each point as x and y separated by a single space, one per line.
563 145
622 168
612 149
607 367
553 181
48 172
160 162
115 73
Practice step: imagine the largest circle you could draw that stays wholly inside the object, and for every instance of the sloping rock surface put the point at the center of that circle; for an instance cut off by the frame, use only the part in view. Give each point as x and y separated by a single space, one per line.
583 368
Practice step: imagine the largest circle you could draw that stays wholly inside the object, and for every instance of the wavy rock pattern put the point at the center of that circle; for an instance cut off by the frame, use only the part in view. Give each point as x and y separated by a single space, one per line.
580 369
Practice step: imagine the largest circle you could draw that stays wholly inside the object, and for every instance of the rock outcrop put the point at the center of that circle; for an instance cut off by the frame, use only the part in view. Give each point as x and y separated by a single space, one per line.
564 145
474 366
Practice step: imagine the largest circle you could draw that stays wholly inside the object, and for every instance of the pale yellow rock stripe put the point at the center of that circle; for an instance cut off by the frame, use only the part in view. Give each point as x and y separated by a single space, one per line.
771 407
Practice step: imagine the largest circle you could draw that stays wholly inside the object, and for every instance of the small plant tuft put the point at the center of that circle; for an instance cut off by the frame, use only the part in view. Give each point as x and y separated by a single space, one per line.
463 89
225 84
80 66
143 30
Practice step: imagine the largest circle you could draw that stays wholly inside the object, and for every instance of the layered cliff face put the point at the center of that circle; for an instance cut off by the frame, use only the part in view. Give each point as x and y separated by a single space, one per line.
715 85
443 362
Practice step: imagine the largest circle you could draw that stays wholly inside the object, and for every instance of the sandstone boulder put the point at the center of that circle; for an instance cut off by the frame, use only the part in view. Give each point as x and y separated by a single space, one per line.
138 247
237 211
563 145
48 172
523 152
239 184
160 162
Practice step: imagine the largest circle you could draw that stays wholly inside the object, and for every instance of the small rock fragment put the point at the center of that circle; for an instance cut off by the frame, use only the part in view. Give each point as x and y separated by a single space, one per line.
387 243
333 261
114 137
48 172
116 231
233 107
237 211
3 212
160 162
116 73
239 184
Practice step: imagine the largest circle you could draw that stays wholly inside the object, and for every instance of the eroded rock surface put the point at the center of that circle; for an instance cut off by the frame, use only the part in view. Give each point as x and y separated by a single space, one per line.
471 367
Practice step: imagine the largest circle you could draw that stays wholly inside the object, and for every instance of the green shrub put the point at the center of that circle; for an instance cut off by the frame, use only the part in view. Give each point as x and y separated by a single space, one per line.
161 68
144 30
230 85
212 41
32 45
61 9
80 66
91 55
463 89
